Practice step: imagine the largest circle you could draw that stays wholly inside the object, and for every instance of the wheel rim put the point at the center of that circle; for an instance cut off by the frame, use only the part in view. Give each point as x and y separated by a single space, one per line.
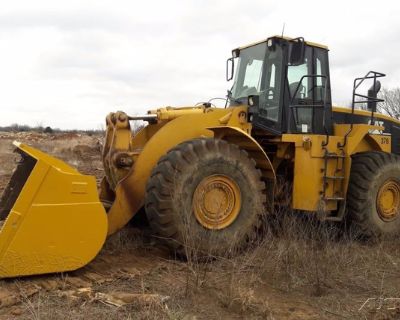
216 202
388 200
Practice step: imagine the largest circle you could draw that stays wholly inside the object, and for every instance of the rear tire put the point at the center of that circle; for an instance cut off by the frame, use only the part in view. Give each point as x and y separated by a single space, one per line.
373 197
205 197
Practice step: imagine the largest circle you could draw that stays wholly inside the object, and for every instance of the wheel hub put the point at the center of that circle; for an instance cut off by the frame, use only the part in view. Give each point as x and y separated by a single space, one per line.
388 200
216 202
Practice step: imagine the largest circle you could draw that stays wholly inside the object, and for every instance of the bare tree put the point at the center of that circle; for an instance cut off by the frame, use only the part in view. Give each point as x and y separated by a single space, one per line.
391 105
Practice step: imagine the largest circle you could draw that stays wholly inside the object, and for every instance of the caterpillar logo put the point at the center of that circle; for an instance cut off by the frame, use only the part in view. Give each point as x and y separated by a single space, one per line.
376 123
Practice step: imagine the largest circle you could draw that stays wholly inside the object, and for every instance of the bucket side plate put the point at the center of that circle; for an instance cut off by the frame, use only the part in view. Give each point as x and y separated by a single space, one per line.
53 218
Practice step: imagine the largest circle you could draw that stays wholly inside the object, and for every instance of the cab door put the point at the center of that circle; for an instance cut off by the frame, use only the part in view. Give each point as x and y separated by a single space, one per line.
268 114
308 94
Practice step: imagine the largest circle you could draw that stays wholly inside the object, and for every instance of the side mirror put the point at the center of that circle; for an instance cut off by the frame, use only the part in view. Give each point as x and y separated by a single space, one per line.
230 67
297 50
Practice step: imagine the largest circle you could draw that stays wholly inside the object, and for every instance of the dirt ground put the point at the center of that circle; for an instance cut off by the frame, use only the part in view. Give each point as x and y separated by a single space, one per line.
305 271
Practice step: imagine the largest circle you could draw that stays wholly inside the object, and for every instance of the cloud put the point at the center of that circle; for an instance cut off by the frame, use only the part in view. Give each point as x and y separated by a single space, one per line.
68 63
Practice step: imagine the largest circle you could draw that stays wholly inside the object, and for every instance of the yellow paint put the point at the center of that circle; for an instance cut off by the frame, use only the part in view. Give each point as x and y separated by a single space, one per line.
170 113
308 175
245 141
61 208
312 44
388 200
217 202
365 113
130 190
118 138
381 142
309 162
364 137
176 126
57 222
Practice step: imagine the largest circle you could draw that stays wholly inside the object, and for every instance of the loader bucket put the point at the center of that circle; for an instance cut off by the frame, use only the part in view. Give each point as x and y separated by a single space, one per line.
51 218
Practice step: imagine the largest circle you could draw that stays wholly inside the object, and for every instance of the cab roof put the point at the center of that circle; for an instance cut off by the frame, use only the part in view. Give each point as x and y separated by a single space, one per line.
312 44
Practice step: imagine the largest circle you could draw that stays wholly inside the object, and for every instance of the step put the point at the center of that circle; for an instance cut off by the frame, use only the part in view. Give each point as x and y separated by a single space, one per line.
334 156
334 177
333 198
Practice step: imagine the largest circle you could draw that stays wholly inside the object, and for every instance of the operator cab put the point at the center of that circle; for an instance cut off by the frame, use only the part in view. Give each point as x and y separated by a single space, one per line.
286 84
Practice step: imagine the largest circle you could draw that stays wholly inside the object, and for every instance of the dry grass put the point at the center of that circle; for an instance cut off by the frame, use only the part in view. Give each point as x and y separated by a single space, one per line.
314 269
305 270
299 269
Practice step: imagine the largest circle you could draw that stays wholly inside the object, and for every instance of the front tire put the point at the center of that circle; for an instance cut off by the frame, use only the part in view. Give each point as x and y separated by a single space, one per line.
373 196
205 195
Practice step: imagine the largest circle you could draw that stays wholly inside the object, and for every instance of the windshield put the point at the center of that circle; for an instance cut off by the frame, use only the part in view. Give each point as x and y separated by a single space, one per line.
258 71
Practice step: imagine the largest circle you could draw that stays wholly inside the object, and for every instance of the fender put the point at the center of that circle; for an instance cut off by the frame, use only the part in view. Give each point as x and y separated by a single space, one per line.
252 147
363 137
247 142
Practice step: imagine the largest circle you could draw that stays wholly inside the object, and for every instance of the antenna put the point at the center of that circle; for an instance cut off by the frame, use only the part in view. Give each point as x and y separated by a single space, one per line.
283 29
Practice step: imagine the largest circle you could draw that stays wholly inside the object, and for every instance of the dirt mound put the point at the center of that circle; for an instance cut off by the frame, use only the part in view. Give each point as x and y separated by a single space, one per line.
67 136
80 284
81 151
114 280
26 136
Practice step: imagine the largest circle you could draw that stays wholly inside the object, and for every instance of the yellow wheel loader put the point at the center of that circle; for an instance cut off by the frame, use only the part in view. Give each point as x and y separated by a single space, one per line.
206 176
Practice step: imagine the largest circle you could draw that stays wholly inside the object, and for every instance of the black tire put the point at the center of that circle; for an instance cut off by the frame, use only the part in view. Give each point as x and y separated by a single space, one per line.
370 173
171 188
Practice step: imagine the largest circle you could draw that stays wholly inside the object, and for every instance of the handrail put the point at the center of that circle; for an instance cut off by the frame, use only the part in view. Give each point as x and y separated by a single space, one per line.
357 82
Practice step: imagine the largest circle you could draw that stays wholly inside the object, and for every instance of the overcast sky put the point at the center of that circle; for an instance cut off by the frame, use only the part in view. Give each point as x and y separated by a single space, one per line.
68 63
